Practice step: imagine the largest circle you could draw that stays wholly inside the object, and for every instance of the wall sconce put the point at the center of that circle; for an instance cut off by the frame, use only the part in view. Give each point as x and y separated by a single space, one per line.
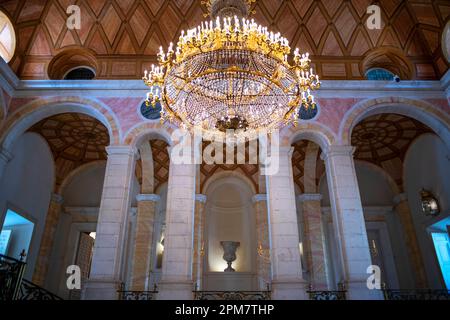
430 205
202 249
263 253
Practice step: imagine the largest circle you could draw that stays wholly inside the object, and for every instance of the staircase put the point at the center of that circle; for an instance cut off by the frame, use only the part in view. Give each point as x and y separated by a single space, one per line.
14 287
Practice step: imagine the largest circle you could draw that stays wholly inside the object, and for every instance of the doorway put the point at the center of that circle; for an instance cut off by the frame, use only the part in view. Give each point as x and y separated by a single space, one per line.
16 234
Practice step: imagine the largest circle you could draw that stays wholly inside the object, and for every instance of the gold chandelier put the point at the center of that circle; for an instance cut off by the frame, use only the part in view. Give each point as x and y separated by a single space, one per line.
231 73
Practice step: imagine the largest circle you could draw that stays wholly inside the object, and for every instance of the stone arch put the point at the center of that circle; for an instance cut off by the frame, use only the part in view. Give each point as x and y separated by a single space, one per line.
135 136
424 112
60 190
314 132
394 186
40 109
232 175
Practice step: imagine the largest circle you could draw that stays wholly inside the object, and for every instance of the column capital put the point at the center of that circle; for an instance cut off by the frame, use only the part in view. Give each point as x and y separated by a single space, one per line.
122 150
259 198
57 198
310 197
5 155
400 198
200 198
336 150
148 197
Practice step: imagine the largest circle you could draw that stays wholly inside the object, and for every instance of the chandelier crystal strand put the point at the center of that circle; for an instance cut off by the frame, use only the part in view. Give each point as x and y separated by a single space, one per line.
231 73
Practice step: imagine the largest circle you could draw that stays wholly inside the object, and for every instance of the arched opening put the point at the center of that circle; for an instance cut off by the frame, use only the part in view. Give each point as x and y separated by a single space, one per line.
230 217
391 151
66 154
315 225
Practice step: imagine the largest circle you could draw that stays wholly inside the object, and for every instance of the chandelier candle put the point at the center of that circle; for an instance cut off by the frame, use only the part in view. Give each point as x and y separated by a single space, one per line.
231 73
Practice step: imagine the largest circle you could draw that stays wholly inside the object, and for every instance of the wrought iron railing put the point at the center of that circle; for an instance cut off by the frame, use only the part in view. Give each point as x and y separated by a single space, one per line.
327 295
232 295
14 287
425 294
31 291
137 295
11 274
339 294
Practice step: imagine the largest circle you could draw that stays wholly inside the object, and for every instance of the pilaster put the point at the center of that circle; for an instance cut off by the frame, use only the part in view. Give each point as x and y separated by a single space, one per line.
287 279
106 274
48 236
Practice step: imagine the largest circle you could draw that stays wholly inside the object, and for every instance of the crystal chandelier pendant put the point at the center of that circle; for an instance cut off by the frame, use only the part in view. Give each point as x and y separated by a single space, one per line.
231 74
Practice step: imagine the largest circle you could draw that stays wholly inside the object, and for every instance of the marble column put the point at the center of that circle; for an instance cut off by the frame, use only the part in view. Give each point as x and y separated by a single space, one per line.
5 157
199 218
48 236
401 207
106 274
262 240
176 281
287 278
348 222
314 245
143 241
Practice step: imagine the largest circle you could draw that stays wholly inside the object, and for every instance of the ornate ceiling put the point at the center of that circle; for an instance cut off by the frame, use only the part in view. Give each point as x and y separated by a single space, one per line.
74 139
251 171
124 35
384 139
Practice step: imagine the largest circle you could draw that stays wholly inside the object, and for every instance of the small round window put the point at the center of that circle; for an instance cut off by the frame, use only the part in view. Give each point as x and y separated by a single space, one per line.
308 113
379 74
81 73
150 112
7 38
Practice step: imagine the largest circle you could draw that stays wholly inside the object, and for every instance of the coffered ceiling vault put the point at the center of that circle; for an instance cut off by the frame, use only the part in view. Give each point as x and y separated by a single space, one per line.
124 35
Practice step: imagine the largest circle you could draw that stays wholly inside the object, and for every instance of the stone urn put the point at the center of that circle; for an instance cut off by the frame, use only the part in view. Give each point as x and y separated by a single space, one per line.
229 253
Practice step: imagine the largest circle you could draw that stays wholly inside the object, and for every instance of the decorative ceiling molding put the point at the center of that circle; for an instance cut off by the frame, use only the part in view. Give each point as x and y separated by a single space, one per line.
125 35
74 139
384 140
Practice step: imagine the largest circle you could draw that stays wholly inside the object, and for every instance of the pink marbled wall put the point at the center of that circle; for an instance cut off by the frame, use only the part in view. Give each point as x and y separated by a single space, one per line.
333 111
126 110
17 103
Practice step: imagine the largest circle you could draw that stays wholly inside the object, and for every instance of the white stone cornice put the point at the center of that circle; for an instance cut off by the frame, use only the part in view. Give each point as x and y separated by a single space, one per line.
259 198
400 198
336 150
148 197
200 198
57 198
122 150
310 197
136 88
